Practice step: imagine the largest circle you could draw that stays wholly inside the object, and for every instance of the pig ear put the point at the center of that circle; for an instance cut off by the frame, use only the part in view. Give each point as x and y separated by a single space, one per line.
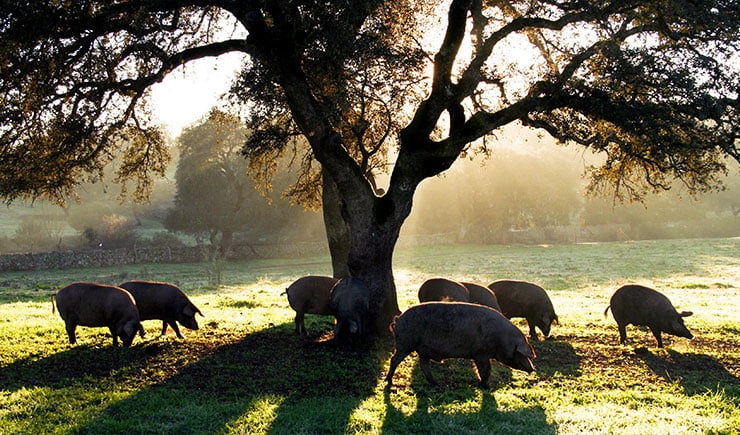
685 313
191 310
527 351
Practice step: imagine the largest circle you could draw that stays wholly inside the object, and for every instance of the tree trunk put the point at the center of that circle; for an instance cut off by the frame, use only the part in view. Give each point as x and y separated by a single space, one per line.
364 249
227 236
374 229
337 231
371 260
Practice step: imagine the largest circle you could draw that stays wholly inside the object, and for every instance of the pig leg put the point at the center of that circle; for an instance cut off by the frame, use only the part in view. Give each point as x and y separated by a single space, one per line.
164 327
175 328
300 327
484 371
115 337
622 333
395 361
656 332
532 332
424 364
71 332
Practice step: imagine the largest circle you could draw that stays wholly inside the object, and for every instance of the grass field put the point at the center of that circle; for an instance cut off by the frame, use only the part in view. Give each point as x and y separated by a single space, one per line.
245 371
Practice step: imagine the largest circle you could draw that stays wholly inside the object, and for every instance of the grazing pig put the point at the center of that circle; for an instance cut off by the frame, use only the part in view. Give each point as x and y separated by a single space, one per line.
442 289
96 305
482 296
642 306
350 302
524 299
166 302
440 330
310 295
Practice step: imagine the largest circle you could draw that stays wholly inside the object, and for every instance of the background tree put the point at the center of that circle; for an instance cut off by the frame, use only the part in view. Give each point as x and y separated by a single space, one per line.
651 84
216 200
42 232
212 183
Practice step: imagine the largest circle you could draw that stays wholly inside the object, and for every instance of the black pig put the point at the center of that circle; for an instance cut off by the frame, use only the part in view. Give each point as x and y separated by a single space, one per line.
89 304
443 289
524 299
350 303
481 295
159 300
440 330
310 295
642 306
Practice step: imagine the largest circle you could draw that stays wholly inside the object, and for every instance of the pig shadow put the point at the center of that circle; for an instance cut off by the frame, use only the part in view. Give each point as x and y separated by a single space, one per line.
454 373
696 373
479 415
556 356
553 357
457 387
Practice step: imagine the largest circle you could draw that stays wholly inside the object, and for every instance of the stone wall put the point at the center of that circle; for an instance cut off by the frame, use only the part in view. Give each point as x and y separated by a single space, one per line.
194 254
113 257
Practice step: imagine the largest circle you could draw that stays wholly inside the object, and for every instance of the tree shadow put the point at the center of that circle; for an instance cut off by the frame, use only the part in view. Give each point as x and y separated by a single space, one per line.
696 373
225 382
216 380
62 369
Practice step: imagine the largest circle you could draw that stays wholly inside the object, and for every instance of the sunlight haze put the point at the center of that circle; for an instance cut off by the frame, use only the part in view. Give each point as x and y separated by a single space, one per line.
188 92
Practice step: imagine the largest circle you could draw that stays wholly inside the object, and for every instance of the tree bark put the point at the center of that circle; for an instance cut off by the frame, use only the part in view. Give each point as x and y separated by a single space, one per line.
371 260
337 231
363 250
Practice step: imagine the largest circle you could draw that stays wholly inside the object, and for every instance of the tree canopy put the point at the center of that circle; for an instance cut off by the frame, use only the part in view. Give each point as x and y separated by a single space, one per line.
653 85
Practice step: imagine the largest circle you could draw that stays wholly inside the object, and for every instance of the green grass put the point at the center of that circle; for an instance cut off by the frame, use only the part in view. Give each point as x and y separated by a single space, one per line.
245 371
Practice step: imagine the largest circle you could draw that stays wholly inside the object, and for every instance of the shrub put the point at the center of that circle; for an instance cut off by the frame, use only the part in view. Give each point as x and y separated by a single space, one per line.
111 232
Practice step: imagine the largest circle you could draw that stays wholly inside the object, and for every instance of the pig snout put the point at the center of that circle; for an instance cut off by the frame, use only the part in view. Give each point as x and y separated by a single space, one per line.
679 329
522 359
190 323
187 319
128 332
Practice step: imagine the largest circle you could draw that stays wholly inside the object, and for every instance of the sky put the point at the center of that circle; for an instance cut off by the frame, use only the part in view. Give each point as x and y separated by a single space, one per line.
190 91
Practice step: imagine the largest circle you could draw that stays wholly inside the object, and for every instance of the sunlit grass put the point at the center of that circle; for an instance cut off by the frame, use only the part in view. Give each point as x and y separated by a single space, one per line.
245 371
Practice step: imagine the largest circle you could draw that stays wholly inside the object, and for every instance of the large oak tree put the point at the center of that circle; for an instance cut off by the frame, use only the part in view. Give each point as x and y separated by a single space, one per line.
653 85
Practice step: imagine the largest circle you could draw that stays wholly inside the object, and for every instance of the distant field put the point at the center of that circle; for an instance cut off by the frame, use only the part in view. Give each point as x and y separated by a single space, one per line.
45 228
245 371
